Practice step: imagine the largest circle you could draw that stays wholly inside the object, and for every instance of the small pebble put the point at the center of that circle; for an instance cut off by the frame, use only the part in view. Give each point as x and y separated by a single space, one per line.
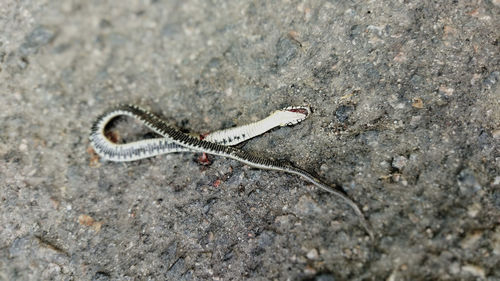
474 270
454 268
312 254
496 134
399 162
496 181
446 91
470 239
85 220
473 210
23 147
415 120
417 103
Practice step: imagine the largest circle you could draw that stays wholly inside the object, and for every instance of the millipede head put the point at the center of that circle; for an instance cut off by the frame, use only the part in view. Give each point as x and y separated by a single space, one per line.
293 114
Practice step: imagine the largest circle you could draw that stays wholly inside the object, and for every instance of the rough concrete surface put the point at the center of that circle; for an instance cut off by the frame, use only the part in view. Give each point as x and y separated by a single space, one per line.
405 98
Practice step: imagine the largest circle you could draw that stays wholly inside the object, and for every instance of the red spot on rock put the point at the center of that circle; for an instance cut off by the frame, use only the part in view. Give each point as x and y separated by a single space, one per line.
217 183
203 159
94 158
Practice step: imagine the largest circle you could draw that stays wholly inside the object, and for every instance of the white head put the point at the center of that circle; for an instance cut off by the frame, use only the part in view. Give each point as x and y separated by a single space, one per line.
292 115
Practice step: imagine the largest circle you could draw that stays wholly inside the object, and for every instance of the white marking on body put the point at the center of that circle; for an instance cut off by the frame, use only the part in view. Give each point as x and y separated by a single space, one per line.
174 141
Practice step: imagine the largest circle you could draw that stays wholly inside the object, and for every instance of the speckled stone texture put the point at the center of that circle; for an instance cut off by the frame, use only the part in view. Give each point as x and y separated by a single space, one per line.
406 117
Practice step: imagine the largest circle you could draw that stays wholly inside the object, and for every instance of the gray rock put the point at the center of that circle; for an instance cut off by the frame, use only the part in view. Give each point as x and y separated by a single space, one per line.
405 116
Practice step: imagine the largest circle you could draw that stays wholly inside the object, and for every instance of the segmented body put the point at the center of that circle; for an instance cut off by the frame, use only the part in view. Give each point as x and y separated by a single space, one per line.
175 141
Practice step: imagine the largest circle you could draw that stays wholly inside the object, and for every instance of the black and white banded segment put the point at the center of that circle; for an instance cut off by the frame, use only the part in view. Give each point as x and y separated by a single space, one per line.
217 143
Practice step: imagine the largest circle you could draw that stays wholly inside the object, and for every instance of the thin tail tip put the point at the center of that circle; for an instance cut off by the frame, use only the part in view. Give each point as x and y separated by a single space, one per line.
369 229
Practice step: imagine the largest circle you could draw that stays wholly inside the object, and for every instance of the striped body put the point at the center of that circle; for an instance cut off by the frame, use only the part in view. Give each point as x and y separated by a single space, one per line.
175 141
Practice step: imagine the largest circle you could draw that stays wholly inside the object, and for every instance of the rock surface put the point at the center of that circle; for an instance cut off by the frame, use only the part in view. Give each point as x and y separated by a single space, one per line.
405 98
